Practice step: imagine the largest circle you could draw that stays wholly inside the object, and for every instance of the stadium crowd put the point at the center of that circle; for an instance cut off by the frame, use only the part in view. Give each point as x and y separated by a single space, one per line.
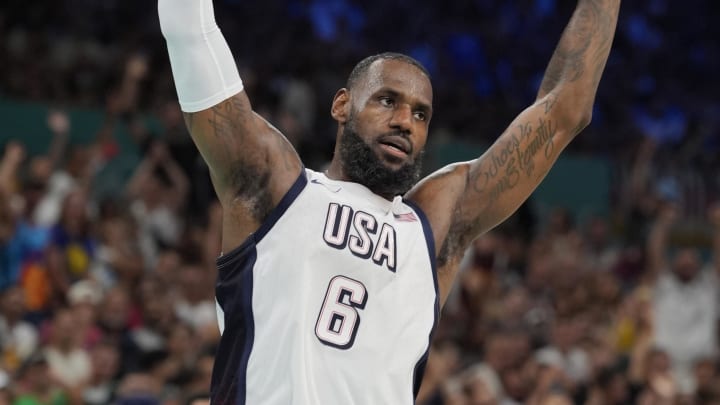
110 299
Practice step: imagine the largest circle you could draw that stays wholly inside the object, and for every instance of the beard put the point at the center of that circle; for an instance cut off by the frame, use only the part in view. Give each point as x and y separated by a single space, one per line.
362 165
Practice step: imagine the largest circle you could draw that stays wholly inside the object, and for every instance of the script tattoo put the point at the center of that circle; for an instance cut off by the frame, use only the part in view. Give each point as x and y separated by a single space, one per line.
226 122
525 152
514 160
510 162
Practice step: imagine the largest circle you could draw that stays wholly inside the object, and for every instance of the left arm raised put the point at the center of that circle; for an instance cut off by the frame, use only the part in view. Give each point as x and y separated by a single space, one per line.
484 192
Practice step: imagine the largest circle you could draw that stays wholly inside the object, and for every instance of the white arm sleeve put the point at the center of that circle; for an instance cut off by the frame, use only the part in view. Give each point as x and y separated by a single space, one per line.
202 64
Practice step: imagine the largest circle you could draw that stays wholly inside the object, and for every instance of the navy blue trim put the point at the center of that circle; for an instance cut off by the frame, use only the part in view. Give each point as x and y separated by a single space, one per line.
234 292
430 239
269 222
246 305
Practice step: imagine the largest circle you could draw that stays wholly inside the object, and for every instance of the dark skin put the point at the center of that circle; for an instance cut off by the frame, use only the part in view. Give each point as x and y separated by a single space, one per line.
253 166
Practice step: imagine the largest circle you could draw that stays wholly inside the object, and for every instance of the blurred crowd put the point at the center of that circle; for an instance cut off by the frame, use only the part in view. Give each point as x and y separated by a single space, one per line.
109 299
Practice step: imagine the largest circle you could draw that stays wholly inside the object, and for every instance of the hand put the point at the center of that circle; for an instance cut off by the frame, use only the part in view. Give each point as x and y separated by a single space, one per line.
58 122
136 67
664 386
14 152
115 104
668 214
648 146
159 152
714 215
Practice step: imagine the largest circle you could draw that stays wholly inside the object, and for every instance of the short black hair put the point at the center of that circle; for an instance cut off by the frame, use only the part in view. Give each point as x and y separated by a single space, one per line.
362 67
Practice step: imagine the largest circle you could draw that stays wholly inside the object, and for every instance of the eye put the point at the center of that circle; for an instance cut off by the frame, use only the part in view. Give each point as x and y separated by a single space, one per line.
386 101
419 115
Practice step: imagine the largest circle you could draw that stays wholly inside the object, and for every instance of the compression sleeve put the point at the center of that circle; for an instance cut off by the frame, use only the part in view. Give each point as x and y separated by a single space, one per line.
202 64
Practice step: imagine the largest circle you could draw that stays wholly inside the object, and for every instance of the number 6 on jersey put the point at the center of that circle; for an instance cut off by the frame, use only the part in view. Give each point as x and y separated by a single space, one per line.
339 320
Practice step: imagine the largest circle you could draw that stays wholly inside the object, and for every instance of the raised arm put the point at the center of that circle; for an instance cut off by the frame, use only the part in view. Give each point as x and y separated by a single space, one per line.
714 219
657 242
251 164
9 166
484 192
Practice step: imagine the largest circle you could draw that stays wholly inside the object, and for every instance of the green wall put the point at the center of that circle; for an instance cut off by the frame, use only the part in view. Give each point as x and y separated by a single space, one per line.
27 122
579 183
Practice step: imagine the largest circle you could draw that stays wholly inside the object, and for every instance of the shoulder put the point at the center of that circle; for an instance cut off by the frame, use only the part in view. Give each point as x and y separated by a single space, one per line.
438 194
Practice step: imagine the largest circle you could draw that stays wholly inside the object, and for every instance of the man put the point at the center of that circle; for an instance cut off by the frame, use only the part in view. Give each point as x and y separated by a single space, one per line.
686 295
327 293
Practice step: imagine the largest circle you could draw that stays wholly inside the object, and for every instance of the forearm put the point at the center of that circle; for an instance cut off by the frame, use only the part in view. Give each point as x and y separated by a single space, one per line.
143 171
179 181
203 66
580 57
656 246
8 176
217 112
57 148
716 247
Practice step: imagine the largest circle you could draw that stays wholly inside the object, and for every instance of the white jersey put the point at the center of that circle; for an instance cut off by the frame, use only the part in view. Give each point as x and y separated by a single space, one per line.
332 301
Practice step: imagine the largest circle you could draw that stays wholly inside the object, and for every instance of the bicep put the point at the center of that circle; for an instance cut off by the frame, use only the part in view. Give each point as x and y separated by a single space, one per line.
239 145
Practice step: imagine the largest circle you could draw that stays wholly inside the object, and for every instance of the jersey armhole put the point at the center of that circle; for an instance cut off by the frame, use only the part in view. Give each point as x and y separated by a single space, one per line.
419 370
277 212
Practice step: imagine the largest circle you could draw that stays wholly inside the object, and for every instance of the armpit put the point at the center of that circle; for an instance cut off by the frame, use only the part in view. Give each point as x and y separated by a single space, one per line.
251 187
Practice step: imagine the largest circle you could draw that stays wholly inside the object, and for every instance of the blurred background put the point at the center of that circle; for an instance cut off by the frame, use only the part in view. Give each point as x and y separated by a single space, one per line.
602 289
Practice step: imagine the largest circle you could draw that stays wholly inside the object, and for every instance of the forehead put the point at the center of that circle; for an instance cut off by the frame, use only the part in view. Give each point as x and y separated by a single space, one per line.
399 76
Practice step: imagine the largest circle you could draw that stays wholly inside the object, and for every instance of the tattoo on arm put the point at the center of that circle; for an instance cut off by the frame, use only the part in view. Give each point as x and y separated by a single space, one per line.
567 62
523 155
584 45
503 169
511 162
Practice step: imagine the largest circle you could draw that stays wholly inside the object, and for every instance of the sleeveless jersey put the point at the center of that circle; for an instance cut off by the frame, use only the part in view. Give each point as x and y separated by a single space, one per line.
331 301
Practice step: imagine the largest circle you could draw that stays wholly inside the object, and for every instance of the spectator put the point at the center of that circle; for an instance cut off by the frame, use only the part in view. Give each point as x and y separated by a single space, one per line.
83 298
68 362
18 338
35 384
72 247
100 387
180 357
564 352
685 300
21 241
119 254
156 205
618 287
194 305
139 388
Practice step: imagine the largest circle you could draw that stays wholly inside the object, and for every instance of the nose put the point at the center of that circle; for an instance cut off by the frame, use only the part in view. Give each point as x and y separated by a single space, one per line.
402 118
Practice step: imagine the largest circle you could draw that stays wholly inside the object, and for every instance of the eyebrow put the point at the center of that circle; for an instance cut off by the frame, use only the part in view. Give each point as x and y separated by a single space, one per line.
419 105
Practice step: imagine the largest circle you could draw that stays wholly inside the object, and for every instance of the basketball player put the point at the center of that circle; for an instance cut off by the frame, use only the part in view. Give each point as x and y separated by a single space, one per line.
330 283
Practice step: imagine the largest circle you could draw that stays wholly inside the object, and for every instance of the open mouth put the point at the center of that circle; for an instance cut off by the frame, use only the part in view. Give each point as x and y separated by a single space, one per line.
396 146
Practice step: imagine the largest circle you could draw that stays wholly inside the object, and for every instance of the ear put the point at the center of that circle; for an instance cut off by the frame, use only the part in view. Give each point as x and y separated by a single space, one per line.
340 109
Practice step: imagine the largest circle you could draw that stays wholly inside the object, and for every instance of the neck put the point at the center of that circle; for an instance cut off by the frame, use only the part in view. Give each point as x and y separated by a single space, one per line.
335 171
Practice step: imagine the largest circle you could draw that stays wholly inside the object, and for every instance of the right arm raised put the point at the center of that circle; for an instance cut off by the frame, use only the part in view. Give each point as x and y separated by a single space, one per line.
657 242
251 163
